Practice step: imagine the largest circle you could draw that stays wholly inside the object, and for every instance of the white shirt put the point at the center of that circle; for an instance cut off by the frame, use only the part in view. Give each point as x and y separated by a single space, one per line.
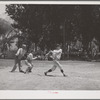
20 53
57 54
30 57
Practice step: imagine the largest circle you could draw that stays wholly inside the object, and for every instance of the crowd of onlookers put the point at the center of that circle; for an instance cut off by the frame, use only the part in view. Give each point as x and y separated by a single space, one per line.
74 50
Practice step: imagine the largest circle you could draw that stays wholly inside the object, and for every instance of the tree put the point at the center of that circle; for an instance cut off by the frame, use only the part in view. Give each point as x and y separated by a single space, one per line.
41 24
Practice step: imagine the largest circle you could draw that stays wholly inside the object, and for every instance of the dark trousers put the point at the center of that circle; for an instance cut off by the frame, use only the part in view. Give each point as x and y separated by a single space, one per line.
17 62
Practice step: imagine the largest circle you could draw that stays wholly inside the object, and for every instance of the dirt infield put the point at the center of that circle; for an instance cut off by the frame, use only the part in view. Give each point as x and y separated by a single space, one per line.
81 76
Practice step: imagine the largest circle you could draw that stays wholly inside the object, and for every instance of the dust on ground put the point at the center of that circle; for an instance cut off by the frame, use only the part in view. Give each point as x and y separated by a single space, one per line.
82 75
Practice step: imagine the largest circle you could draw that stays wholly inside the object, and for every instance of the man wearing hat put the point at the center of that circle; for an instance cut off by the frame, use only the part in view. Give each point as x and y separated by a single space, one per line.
56 55
18 57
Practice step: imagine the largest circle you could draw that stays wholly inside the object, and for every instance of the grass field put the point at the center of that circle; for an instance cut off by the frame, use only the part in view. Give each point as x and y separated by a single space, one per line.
81 76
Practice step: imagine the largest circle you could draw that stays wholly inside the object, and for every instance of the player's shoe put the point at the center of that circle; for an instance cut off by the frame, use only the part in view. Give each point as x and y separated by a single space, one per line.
64 75
45 73
11 71
26 72
21 71
30 71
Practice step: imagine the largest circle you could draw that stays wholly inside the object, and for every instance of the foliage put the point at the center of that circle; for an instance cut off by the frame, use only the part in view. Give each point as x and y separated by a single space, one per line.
44 25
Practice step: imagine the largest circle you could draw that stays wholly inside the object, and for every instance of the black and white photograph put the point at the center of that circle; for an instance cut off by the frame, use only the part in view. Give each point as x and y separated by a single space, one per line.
49 47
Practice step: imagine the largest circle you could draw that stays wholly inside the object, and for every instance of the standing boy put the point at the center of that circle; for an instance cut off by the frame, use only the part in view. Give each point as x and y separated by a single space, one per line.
55 55
18 57
29 63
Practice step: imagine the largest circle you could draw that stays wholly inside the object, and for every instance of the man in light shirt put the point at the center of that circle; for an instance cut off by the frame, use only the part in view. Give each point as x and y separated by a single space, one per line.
18 57
29 61
55 55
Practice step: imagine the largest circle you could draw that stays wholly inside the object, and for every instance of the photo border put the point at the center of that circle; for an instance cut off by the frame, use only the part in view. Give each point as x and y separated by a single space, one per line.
50 94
